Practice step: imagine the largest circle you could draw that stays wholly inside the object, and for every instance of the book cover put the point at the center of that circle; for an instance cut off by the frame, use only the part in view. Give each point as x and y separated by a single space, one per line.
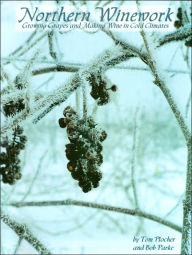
95 127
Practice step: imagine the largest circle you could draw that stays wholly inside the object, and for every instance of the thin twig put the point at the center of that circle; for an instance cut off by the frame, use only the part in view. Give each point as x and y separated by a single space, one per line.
35 177
77 100
57 68
84 101
22 46
103 207
74 67
175 206
18 245
188 105
32 45
52 53
133 161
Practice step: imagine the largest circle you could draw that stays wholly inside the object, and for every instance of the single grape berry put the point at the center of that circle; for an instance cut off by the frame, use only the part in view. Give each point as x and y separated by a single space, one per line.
188 43
179 23
114 88
62 124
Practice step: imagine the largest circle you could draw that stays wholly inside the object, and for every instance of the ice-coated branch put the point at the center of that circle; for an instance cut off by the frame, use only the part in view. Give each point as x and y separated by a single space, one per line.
4 75
33 44
25 43
52 52
18 245
12 54
71 69
181 34
132 212
161 84
24 233
174 109
186 229
57 68
186 233
107 59
133 161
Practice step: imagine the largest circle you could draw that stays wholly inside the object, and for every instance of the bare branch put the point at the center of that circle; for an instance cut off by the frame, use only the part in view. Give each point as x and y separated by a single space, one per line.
18 245
103 207
57 68
161 84
186 230
133 161
23 232
35 176
186 233
52 53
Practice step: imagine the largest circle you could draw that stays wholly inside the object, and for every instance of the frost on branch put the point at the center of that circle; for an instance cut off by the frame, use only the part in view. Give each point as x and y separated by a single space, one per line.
180 23
84 149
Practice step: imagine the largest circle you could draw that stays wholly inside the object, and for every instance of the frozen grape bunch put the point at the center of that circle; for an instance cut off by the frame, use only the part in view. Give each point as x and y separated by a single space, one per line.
84 149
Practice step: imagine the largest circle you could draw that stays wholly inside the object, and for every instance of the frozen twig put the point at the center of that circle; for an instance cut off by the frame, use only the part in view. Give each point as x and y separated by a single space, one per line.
18 245
186 232
161 84
51 50
181 34
84 101
57 68
33 44
66 68
22 46
23 232
188 105
10 83
35 177
132 212
133 161
175 206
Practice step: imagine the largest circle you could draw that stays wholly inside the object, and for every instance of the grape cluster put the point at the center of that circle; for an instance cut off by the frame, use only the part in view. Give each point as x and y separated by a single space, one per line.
9 161
179 23
84 149
99 89
12 107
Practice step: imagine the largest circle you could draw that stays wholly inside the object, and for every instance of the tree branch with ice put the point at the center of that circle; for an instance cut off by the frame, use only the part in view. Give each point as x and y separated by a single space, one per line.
133 212
24 232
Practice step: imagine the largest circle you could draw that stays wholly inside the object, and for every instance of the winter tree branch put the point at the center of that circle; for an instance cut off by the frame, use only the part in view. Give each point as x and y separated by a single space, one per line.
186 231
105 61
24 233
181 34
133 161
132 212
